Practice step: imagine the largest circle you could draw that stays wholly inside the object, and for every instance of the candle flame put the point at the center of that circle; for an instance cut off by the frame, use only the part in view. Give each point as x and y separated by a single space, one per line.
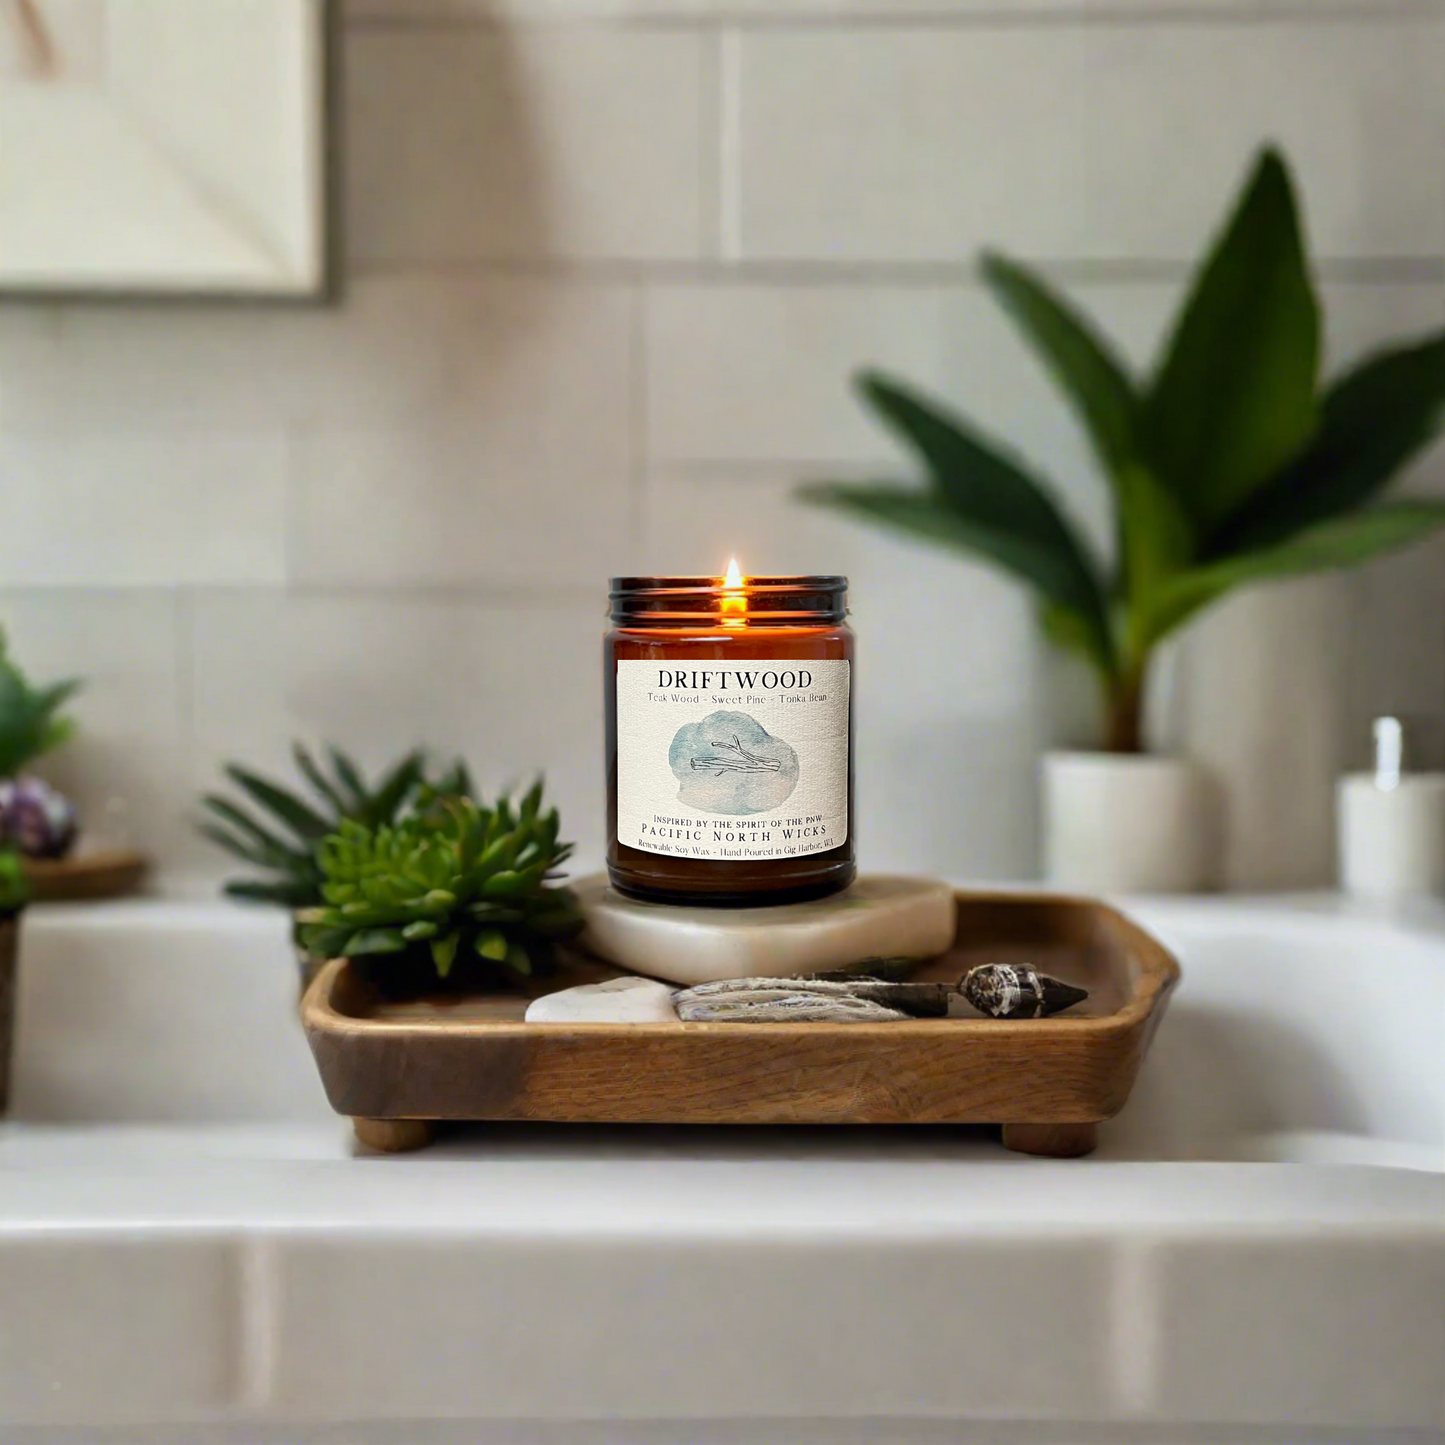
734 598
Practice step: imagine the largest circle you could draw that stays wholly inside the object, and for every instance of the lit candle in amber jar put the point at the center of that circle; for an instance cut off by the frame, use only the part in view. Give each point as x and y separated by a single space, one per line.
729 738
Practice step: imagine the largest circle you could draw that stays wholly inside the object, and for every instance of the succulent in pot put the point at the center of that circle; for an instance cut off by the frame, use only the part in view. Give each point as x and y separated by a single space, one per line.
282 829
34 817
1228 463
280 836
456 894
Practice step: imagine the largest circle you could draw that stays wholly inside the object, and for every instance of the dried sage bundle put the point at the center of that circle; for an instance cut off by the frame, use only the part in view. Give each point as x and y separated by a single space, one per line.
1000 990
780 1001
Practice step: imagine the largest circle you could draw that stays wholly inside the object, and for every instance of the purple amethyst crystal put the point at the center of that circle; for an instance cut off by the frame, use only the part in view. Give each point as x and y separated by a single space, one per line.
36 819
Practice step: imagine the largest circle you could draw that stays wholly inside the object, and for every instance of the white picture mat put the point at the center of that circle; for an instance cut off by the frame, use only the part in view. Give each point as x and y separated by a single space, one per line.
172 146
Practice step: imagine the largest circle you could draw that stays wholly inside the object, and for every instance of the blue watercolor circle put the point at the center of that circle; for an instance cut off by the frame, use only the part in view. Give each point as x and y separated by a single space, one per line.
730 764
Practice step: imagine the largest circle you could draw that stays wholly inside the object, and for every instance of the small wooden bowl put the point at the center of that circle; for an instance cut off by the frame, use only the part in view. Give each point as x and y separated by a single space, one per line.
89 875
396 1067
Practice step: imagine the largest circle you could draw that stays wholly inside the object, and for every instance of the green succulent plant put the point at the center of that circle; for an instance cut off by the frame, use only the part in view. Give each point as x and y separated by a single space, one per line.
1228 464
29 716
283 841
14 886
456 884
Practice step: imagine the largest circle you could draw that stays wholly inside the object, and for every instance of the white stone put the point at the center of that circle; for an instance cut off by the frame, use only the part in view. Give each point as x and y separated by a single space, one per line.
878 917
623 1000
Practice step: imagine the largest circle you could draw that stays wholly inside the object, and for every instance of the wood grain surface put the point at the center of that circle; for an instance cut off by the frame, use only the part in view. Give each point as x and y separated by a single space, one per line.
475 1058
90 875
9 963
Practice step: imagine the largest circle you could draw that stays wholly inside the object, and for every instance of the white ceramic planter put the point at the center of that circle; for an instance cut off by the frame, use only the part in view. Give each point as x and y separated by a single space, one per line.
1129 823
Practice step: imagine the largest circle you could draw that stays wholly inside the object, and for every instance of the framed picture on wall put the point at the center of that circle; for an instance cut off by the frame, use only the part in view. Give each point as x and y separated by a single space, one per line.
163 147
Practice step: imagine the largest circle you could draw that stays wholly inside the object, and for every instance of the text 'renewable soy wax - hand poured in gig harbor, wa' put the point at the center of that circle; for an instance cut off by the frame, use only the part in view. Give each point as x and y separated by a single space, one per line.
729 738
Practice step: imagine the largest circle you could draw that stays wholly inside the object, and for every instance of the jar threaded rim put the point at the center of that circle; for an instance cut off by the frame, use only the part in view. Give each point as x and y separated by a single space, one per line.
771 600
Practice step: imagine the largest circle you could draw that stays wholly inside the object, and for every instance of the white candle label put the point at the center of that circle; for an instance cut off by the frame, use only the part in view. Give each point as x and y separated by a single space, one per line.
732 760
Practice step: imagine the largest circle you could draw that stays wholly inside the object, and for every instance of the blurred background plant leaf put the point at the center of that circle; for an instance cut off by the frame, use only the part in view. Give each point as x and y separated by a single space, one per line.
1373 421
1229 467
980 500
1080 360
1344 541
1233 398
30 720
282 829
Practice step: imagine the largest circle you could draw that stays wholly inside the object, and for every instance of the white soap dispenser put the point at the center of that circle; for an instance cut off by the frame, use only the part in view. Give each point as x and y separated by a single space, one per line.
1391 824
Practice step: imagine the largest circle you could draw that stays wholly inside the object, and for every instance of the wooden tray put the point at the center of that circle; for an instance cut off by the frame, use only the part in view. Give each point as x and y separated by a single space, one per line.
89 875
398 1067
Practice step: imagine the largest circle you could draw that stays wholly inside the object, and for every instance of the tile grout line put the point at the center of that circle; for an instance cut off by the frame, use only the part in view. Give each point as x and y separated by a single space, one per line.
524 594
1134 1322
257 1321
729 144
710 159
762 471
184 614
183 618
638 500
734 270
294 436
1040 15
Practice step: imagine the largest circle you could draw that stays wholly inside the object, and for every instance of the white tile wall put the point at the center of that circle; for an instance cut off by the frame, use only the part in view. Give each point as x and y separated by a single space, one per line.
524 480
1351 1356
79 1366
920 144
398 348
607 278
119 507
502 1299
512 685
761 373
498 143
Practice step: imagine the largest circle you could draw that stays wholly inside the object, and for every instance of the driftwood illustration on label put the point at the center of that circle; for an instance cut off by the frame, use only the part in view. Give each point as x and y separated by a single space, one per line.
736 759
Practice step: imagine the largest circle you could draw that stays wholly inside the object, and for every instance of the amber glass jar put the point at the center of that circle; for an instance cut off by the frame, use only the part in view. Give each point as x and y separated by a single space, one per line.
729 739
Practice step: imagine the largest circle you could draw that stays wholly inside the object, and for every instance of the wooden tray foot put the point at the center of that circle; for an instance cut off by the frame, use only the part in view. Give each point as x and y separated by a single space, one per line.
394 1136
1056 1141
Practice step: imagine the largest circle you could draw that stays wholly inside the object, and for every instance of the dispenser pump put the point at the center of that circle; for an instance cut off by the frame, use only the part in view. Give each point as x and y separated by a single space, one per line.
1392 824
1389 753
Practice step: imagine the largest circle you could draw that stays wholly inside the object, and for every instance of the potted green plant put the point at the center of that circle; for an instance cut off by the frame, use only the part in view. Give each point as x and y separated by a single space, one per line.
1228 464
34 818
282 830
457 894
14 895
